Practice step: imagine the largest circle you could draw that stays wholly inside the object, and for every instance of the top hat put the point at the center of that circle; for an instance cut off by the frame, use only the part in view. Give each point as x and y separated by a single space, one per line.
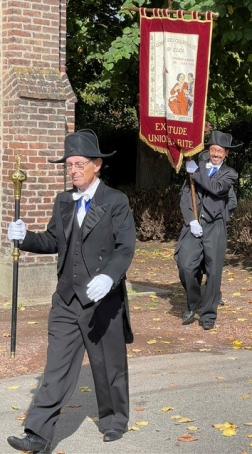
82 143
222 139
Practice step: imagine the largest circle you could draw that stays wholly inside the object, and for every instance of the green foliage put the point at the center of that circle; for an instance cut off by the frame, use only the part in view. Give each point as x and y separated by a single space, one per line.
103 52
122 47
240 229
102 62
230 85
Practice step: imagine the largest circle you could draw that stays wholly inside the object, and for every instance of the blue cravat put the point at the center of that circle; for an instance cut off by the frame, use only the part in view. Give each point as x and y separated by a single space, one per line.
213 171
81 211
88 204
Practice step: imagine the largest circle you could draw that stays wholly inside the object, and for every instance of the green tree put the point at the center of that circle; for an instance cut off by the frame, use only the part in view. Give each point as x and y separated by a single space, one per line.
100 43
230 85
103 58
103 54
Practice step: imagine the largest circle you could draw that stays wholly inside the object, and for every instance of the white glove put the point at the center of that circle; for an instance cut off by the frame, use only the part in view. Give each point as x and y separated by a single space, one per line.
196 229
99 287
191 166
17 230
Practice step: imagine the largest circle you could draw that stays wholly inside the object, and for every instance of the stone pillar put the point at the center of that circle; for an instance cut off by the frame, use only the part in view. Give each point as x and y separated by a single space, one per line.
36 111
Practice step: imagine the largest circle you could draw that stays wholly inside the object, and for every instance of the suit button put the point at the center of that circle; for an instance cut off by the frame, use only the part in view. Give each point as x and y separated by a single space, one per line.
97 269
75 275
100 258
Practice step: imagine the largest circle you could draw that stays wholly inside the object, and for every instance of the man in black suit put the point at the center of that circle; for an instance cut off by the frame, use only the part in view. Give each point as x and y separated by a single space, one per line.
203 240
230 208
92 231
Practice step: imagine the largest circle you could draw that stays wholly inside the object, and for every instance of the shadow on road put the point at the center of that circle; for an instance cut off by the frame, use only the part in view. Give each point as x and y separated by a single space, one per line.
82 405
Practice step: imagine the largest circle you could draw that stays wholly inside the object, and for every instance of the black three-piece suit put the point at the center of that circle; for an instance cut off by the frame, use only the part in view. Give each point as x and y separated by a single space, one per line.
103 244
213 195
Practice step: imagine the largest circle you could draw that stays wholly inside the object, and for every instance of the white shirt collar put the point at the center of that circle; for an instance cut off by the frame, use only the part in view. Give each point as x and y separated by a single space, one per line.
209 165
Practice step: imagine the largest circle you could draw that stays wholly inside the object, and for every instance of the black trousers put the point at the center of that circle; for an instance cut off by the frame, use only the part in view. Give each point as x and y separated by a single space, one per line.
211 249
72 329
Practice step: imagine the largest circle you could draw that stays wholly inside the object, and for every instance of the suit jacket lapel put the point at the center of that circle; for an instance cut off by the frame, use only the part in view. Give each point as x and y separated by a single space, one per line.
67 210
222 169
96 211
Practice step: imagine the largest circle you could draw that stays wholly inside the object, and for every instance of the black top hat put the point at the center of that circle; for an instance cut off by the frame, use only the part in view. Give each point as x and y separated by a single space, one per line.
82 143
222 139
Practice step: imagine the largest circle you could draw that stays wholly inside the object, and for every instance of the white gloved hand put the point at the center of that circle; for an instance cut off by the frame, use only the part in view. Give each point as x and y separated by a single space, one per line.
191 166
196 229
99 287
17 230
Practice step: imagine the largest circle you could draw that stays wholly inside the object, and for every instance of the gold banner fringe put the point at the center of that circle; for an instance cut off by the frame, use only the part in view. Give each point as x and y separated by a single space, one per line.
183 153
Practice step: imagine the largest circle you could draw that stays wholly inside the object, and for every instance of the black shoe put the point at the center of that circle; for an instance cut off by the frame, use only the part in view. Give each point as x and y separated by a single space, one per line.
112 435
31 443
207 324
188 317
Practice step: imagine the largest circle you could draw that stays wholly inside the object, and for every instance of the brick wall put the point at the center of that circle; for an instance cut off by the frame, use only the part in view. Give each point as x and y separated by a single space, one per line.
37 112
34 33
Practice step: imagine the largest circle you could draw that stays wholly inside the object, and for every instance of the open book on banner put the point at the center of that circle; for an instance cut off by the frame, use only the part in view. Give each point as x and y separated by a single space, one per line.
174 70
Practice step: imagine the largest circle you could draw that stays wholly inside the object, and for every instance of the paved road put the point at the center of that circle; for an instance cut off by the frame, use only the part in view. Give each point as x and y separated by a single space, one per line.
205 387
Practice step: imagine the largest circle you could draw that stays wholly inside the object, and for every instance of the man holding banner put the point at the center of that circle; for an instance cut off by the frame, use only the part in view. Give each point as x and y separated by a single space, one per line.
205 239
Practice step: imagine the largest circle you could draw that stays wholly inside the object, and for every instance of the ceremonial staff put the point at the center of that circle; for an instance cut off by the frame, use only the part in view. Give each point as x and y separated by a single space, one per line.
17 178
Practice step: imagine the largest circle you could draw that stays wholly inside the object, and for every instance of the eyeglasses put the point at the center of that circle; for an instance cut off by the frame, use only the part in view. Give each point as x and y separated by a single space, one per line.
216 148
76 165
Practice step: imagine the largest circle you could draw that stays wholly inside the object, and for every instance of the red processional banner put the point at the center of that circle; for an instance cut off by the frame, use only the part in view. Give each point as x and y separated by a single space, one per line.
174 70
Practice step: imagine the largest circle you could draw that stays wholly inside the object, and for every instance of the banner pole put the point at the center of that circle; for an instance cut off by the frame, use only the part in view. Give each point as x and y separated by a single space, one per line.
135 9
194 204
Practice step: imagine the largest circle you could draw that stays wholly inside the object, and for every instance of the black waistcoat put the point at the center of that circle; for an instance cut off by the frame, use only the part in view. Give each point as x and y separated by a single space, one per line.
75 277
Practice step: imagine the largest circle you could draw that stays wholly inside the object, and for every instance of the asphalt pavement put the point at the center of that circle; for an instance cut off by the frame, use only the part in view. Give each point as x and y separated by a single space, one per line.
202 388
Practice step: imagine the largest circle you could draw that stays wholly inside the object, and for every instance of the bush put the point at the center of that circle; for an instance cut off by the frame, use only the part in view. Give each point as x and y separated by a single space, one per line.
158 217
240 229
156 212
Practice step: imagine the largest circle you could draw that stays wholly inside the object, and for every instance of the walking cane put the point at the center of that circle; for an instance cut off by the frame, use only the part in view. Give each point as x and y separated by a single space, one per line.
17 178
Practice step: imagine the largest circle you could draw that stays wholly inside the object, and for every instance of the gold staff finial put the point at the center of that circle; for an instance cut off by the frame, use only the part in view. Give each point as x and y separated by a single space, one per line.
18 177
